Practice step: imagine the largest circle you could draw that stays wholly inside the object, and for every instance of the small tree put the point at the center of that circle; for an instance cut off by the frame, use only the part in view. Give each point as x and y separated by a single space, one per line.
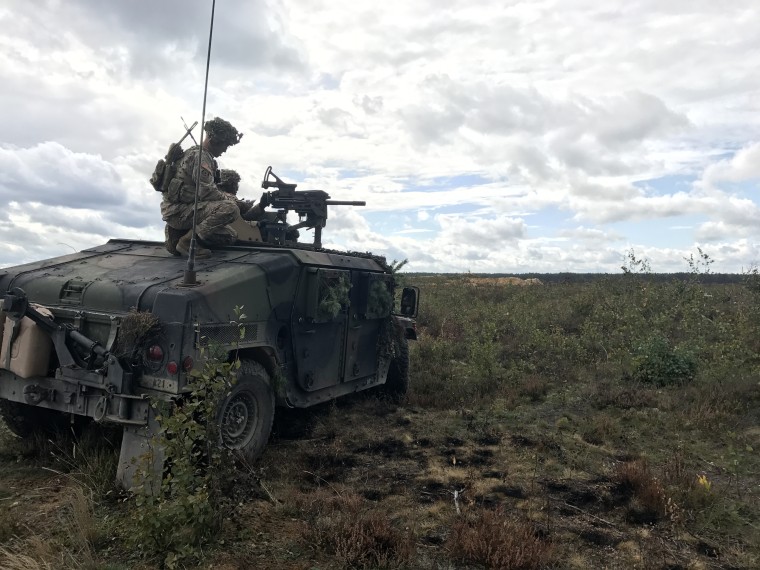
176 517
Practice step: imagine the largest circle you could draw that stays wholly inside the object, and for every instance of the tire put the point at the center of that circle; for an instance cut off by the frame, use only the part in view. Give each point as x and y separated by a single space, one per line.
397 382
24 420
246 414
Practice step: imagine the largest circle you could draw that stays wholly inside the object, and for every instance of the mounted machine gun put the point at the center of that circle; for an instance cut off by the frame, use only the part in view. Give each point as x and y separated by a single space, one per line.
310 205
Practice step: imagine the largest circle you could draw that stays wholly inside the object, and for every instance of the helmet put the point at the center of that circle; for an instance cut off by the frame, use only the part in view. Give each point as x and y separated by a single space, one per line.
222 131
228 181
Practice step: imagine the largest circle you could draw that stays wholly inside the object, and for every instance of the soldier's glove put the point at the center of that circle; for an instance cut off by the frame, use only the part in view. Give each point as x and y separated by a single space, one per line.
292 235
264 201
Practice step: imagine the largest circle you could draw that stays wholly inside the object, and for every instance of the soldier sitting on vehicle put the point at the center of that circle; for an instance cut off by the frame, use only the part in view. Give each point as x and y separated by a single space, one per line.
214 210
229 181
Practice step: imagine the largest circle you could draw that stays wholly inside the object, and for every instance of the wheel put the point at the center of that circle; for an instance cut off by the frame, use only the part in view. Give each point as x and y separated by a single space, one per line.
397 382
246 414
24 420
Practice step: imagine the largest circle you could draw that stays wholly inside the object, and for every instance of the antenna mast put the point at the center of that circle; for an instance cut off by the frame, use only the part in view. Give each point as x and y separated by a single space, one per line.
189 278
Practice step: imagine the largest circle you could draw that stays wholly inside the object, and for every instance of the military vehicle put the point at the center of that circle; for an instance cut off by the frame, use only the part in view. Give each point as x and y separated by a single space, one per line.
100 333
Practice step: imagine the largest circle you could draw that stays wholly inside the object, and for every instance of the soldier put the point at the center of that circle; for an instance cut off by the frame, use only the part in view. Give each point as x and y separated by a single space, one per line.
215 210
229 181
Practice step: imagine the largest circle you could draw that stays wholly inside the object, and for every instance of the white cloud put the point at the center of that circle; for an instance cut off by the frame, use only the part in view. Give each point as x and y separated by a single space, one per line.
518 132
744 165
51 174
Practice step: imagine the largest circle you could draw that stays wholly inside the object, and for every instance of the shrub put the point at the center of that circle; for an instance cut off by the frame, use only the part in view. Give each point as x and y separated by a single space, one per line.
178 515
357 537
657 363
10 526
635 479
493 540
534 387
600 429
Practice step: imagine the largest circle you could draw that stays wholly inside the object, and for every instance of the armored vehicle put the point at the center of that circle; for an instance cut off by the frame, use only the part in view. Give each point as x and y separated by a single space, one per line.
100 333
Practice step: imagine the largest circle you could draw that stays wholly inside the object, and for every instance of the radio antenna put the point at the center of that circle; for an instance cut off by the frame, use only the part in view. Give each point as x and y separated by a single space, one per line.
190 277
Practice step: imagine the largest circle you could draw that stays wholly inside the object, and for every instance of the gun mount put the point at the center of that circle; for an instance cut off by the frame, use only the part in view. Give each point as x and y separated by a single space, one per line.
310 205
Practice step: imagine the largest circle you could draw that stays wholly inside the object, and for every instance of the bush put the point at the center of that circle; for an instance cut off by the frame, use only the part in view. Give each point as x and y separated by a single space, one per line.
493 540
634 479
176 516
346 528
657 363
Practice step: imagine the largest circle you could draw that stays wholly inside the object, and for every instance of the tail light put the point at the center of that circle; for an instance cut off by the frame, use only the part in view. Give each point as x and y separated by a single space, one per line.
187 364
155 354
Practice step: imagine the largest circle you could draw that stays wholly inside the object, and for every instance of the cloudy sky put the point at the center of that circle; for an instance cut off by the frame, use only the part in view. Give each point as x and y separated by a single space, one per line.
485 136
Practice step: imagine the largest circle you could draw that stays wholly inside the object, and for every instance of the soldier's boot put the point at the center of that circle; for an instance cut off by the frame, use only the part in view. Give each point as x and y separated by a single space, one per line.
172 236
183 246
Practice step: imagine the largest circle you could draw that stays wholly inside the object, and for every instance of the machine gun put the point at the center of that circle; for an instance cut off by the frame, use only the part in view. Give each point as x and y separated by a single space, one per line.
310 205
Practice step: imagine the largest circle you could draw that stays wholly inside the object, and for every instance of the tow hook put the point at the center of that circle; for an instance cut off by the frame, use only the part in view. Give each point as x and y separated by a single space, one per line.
34 394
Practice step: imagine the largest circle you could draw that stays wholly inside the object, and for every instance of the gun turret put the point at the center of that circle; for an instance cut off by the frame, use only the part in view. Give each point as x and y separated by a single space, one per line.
310 205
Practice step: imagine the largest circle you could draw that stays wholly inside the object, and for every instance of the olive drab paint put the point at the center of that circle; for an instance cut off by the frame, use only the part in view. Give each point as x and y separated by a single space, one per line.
316 321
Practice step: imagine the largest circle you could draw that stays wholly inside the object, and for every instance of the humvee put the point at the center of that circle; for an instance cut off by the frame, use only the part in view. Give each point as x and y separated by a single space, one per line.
96 335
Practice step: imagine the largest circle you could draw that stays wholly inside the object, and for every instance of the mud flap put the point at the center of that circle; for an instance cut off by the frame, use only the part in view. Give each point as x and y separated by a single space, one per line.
141 461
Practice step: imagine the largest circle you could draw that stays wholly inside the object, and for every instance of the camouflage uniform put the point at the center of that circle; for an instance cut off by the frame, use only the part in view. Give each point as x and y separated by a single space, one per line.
215 209
229 181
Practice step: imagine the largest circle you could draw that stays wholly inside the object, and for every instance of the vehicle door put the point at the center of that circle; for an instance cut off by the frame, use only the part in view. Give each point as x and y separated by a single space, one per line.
319 327
368 319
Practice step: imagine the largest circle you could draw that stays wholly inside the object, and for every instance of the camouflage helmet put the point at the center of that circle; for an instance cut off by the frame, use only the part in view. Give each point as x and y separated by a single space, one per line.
222 131
228 180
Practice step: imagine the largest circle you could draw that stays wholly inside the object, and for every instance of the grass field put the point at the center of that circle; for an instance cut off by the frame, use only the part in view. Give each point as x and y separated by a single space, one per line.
613 423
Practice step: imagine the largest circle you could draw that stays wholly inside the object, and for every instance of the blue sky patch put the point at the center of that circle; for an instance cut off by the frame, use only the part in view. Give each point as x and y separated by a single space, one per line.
666 185
450 182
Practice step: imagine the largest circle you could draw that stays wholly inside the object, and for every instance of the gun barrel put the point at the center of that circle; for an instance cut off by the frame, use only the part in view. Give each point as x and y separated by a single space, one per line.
345 203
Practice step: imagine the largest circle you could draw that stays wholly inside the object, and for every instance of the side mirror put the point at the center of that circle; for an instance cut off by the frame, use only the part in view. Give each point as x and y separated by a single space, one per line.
409 301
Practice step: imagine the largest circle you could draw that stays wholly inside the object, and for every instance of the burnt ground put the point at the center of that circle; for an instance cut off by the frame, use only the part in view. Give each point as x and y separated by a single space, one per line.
328 471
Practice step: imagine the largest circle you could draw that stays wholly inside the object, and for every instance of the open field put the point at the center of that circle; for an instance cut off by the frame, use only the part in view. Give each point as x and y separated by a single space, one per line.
612 423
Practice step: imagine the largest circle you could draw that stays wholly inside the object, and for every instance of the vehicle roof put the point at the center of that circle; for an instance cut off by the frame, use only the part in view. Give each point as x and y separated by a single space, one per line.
137 270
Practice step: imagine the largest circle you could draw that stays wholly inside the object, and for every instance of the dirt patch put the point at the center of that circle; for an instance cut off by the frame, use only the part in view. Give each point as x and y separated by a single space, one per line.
513 492
582 498
600 537
556 486
489 440
373 495
522 441
642 516
327 468
494 474
389 447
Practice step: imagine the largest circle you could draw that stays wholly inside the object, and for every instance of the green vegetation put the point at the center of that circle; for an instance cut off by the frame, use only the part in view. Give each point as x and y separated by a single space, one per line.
175 518
608 422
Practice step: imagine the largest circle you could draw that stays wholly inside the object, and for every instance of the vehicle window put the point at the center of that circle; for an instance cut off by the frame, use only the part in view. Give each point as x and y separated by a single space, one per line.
380 300
333 296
